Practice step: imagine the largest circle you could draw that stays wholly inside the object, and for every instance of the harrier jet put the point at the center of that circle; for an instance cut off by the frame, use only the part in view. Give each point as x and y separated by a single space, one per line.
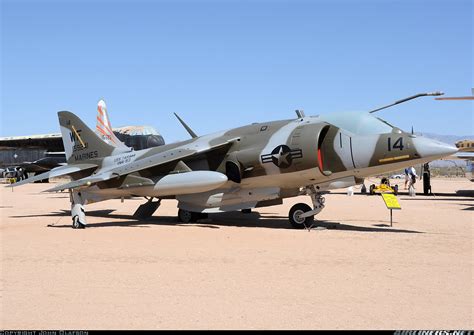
252 166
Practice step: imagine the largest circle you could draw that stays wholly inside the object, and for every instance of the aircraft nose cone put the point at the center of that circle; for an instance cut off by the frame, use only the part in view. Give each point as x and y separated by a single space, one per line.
427 147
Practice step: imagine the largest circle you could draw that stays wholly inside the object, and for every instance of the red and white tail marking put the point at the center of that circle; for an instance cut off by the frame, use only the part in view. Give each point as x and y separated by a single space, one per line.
104 128
103 123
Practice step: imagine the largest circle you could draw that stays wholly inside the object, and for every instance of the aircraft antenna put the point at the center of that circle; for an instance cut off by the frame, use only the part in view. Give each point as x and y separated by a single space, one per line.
407 99
299 113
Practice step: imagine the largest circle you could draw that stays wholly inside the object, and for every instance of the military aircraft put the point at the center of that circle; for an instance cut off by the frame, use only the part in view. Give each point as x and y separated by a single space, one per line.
252 166
41 153
466 147
468 97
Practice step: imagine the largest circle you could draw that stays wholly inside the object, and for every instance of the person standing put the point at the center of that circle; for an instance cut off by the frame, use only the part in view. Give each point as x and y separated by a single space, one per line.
411 181
407 177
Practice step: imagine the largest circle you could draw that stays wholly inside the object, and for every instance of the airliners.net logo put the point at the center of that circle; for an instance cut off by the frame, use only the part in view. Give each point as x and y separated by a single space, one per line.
433 332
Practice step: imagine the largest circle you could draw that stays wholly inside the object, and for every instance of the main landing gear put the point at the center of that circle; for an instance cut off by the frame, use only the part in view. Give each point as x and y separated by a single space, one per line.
77 210
188 217
301 215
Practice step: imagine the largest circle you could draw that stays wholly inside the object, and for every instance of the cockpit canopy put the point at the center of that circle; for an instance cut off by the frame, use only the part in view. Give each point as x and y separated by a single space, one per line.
360 123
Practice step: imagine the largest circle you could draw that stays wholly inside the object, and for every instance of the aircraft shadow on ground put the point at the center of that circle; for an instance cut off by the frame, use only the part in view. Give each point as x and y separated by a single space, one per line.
215 221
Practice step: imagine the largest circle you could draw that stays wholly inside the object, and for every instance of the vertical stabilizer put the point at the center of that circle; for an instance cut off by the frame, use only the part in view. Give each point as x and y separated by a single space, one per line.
80 142
104 128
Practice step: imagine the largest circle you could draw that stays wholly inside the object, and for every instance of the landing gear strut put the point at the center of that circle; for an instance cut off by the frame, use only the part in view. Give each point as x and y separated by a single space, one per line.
301 215
77 210
426 179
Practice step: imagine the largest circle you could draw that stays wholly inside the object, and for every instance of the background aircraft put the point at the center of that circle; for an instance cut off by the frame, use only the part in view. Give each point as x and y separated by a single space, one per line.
40 153
466 147
466 151
251 166
471 97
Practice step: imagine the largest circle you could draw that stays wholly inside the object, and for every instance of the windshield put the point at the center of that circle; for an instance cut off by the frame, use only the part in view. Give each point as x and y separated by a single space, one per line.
359 122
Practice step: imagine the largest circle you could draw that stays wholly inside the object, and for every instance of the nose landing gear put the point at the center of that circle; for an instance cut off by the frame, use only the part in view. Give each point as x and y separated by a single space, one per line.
296 217
301 215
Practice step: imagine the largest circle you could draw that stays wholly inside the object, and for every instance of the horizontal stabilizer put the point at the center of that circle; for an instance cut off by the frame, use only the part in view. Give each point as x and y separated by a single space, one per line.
57 172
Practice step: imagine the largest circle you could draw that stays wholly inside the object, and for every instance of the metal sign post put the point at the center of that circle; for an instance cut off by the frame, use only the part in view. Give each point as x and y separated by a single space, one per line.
392 203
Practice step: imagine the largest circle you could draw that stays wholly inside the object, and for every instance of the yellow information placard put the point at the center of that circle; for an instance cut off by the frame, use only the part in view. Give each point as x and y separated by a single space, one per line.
391 201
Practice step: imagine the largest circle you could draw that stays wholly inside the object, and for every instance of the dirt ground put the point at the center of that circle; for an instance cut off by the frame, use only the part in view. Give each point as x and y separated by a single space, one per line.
239 271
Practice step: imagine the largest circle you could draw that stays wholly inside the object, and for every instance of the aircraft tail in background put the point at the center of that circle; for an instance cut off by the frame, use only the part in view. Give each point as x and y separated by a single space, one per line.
104 128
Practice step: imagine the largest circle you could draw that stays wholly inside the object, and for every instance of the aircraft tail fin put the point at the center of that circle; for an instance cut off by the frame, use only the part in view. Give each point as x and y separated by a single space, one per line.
104 128
80 142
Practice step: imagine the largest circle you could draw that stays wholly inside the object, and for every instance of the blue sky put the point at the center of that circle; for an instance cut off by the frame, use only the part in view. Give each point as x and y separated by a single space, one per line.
222 64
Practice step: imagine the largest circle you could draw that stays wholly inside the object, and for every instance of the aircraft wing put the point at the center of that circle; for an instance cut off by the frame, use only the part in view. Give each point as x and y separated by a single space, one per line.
464 155
158 159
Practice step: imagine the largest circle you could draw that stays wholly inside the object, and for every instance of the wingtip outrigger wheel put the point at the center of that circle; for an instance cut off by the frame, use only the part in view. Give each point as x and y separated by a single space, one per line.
78 212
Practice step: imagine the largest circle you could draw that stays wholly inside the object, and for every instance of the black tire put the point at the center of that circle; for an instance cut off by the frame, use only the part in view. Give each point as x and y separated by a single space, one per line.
371 189
395 190
187 216
295 211
76 224
426 183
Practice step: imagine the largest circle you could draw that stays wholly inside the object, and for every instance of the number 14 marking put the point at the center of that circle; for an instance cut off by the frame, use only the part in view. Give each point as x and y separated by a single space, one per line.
397 145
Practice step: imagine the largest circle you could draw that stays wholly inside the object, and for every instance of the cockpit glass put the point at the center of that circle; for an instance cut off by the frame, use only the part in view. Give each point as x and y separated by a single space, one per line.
359 123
